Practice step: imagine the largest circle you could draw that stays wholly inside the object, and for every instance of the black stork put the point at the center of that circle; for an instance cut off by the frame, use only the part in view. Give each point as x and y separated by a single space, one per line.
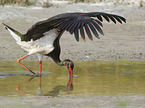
43 37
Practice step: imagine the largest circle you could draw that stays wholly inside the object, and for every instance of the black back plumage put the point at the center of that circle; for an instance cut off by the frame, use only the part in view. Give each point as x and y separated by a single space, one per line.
74 23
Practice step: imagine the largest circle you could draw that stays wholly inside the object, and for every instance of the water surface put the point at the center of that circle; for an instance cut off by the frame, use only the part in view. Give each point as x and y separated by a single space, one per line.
91 79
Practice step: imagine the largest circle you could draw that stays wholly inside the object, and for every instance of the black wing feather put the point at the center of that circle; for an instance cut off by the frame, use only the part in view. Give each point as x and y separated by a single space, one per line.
98 22
106 17
97 27
88 32
112 18
72 28
123 19
78 26
100 18
74 23
76 35
58 22
93 30
118 19
82 32
68 25
62 26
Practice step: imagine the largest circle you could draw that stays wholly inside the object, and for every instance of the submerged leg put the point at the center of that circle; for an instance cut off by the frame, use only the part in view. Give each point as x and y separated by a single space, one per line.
18 61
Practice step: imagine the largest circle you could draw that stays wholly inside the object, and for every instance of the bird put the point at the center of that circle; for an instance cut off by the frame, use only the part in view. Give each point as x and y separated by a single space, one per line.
43 37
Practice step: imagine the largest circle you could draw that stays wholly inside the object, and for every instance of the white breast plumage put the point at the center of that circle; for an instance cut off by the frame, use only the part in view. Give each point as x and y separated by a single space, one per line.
44 45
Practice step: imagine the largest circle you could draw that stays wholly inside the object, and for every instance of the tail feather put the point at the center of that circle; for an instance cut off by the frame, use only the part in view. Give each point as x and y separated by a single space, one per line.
16 35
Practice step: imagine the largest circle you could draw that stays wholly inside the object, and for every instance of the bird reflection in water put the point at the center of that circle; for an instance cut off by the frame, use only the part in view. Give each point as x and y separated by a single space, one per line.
54 92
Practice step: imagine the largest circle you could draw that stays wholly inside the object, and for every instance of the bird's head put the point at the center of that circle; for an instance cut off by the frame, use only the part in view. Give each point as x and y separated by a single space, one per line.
70 66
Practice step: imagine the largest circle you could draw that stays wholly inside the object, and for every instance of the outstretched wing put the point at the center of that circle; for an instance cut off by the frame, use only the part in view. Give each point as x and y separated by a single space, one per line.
75 23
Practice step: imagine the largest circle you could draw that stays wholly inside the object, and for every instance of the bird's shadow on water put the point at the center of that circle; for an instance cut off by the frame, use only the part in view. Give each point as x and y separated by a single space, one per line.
54 92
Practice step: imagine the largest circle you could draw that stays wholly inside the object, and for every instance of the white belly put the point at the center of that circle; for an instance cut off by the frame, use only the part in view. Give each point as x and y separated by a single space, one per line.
44 45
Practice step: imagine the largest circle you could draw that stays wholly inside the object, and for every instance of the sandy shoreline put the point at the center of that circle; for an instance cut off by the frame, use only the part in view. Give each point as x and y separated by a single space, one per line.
71 102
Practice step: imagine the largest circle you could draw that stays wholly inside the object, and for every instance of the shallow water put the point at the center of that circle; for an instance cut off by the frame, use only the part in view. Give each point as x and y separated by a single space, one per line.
90 79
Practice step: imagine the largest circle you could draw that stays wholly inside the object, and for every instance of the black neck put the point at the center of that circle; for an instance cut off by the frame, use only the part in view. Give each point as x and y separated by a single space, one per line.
55 54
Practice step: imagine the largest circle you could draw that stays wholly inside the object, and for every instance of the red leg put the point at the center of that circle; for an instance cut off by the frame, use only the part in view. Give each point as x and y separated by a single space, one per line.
18 61
40 67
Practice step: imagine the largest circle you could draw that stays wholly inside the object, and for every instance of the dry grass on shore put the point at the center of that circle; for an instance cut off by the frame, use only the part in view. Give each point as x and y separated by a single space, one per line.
13 2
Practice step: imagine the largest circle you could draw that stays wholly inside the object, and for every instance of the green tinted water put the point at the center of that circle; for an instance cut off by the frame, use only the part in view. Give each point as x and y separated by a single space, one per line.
93 78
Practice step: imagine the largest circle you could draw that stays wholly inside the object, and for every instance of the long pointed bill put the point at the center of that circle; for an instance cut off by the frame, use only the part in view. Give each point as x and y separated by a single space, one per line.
70 72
